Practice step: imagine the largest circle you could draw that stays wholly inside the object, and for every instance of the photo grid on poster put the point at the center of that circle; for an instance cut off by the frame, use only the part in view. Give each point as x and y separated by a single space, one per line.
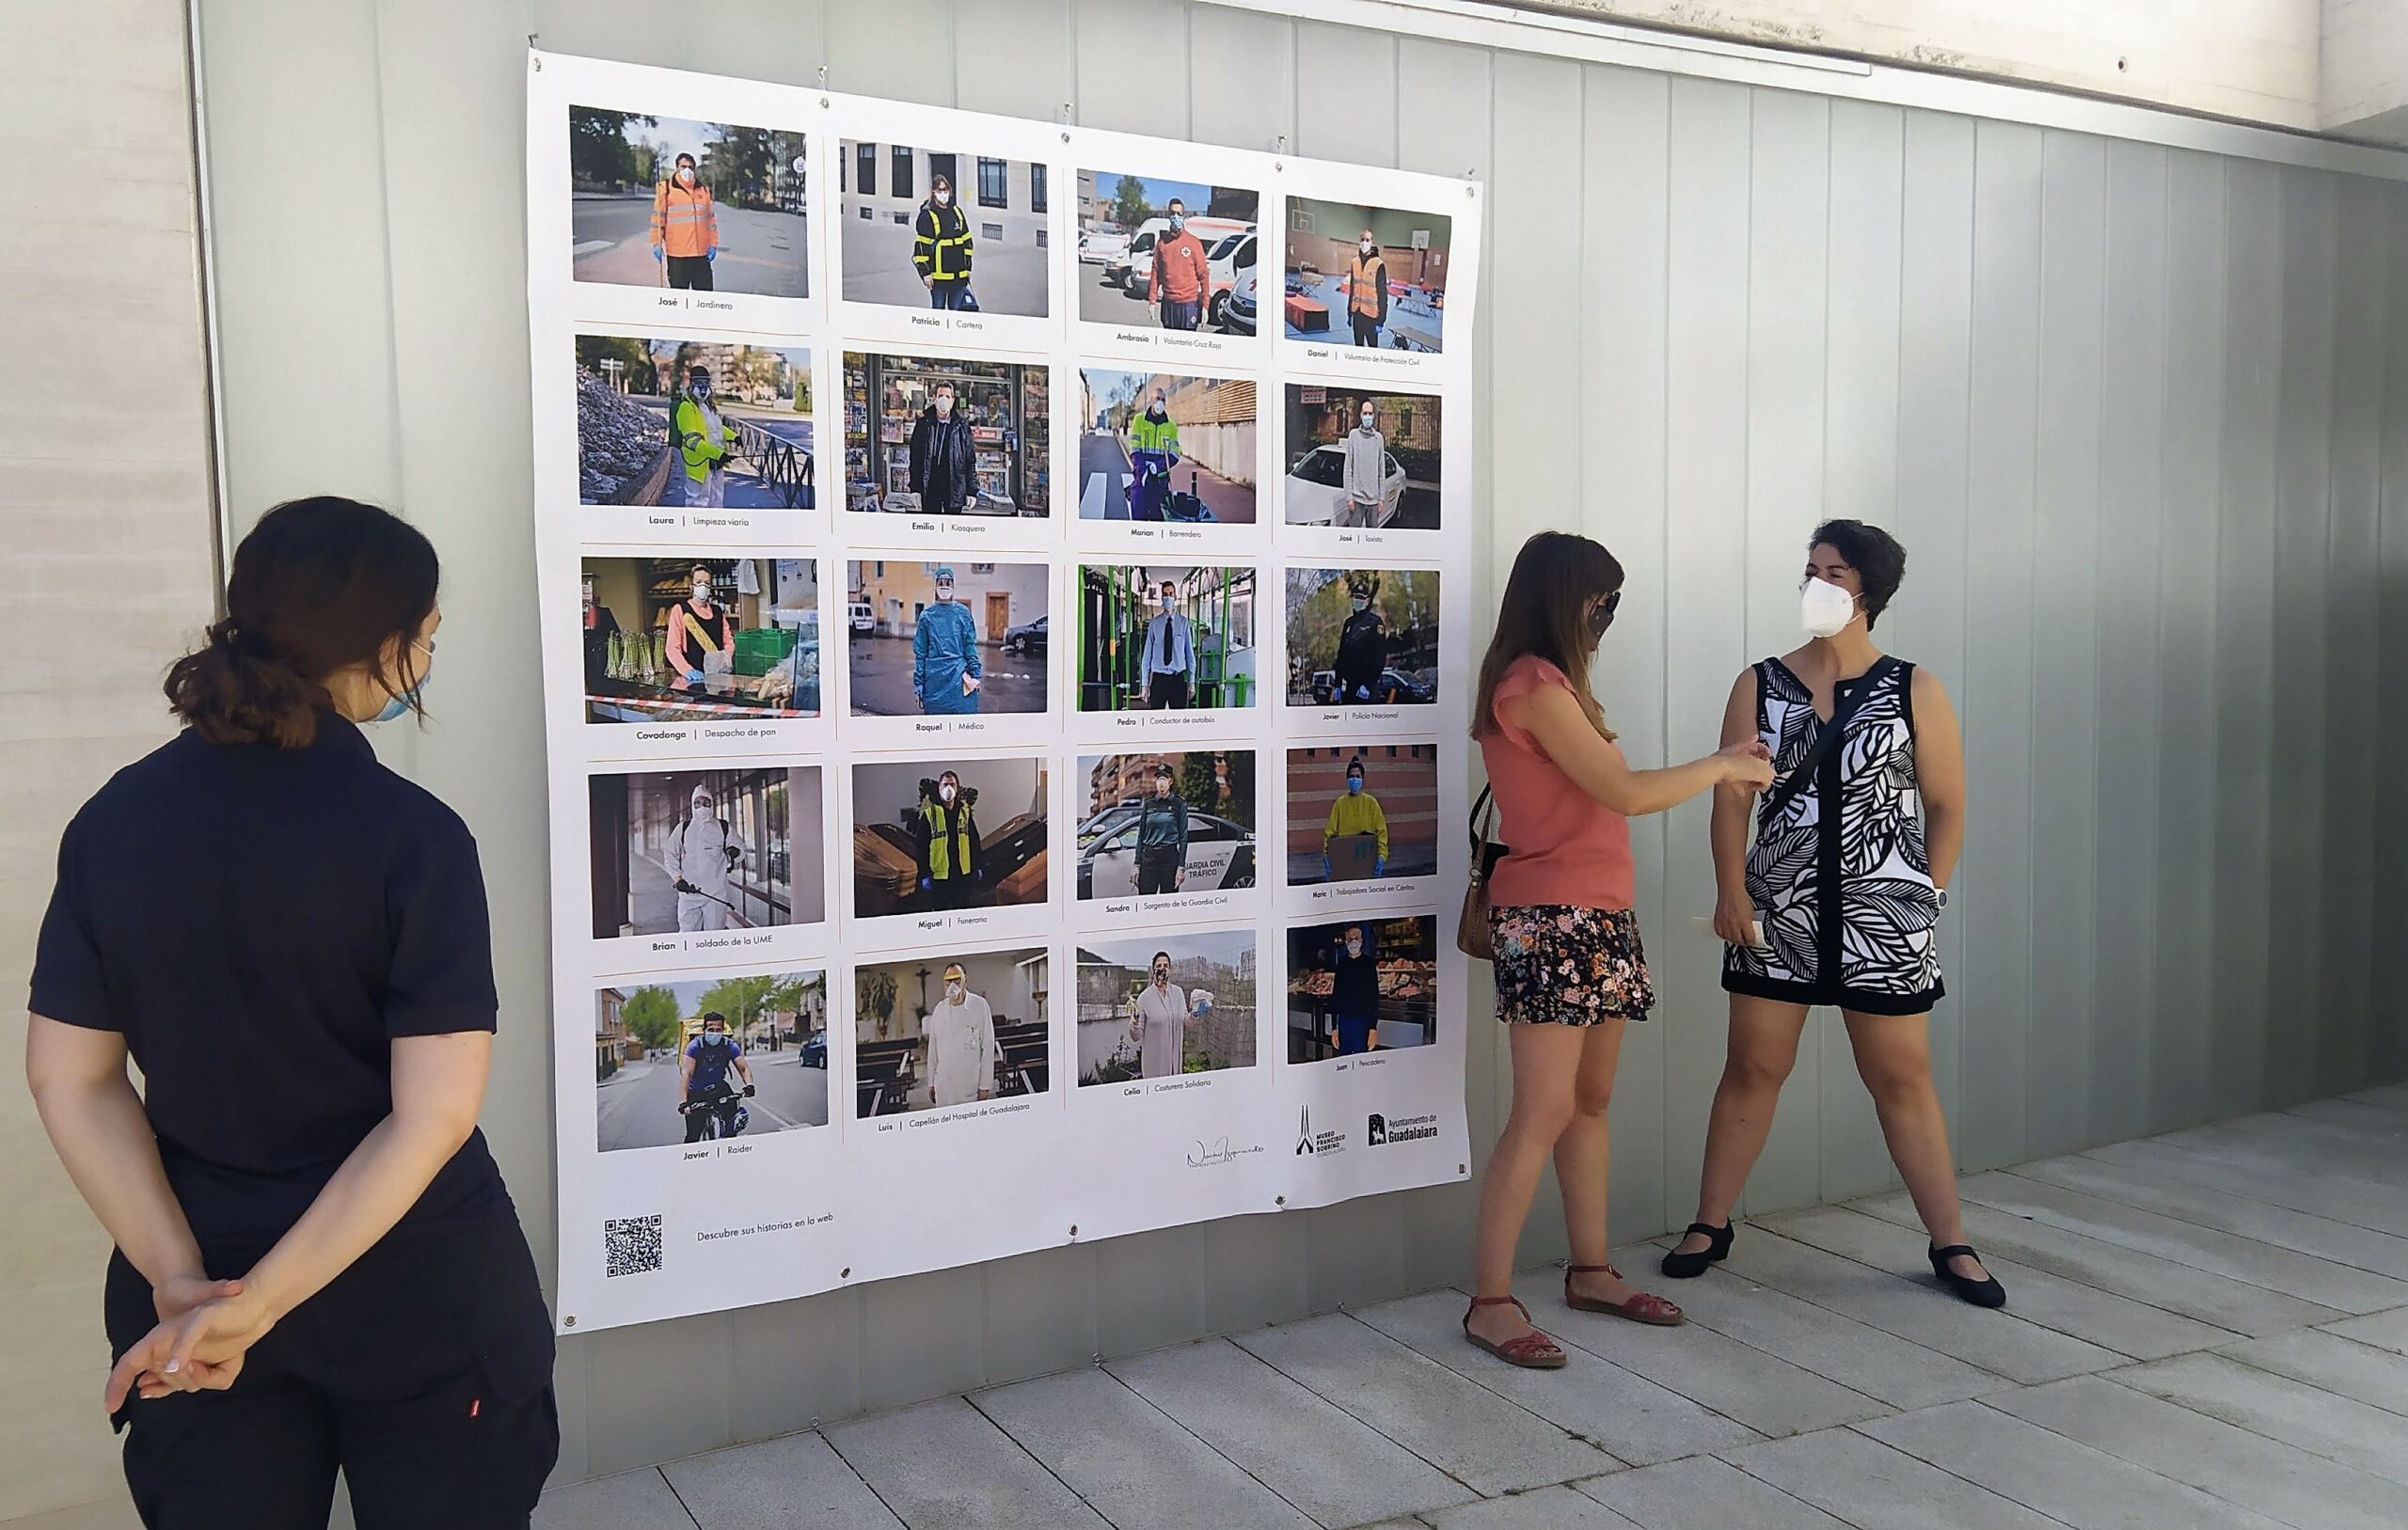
1017 584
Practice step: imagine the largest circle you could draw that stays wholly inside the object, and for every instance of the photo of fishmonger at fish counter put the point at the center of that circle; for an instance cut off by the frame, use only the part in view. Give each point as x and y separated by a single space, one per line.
684 639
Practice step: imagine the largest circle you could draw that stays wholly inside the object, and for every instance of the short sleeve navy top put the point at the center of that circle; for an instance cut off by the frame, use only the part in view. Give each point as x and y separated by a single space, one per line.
259 923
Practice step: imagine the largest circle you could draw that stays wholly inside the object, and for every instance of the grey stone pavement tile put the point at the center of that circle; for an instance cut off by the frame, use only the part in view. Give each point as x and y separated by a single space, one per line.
2111 1321
1326 1462
1704 1494
2239 1166
2232 1305
1879 1365
1870 1486
2383 1330
629 1501
1999 1342
945 1465
2229 1254
2362 1248
2332 1363
2339 1428
2279 1480
796 1483
1547 1508
2052 1474
1493 1444
1626 1416
1140 1469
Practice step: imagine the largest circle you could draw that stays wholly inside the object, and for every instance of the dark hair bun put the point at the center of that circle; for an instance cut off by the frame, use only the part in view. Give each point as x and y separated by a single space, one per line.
232 693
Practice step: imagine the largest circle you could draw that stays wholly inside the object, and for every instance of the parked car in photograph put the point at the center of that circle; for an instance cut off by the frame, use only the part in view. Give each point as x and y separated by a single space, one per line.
1317 487
1220 854
1101 246
1232 259
860 617
1237 314
812 1053
1396 689
1028 637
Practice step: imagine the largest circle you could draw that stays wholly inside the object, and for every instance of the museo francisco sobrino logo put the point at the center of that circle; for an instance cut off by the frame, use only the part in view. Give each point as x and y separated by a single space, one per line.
1403 1128
1310 1144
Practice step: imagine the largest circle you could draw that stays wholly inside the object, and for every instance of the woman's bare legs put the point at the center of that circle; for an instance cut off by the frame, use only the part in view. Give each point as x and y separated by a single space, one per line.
1547 1060
1763 1050
1584 1159
1893 1057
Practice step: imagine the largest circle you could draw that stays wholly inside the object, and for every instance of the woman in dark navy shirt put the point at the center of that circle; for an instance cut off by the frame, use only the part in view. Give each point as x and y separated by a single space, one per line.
317 1266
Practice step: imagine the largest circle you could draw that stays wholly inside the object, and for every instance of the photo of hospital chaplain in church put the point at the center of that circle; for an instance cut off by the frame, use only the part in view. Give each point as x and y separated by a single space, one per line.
1163 1006
694 424
1362 985
677 639
950 1028
694 851
1371 278
664 201
1363 637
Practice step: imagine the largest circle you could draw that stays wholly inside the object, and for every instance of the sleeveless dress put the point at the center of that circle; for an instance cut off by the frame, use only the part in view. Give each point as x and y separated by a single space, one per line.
1839 876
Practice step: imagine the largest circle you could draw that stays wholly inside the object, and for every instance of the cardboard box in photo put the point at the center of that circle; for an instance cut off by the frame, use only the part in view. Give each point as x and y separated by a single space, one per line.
1342 846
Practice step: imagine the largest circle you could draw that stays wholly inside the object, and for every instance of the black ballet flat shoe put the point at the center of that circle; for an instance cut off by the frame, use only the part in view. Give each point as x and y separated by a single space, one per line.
1690 1266
1981 1293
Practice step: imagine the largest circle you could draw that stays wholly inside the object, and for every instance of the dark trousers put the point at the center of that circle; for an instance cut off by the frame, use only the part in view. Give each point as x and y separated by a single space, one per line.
1182 315
1353 1034
691 272
951 892
1158 871
947 294
423 1374
1367 330
1166 691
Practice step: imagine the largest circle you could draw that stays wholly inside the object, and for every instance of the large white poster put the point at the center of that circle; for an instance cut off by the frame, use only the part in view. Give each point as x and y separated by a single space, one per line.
1006 654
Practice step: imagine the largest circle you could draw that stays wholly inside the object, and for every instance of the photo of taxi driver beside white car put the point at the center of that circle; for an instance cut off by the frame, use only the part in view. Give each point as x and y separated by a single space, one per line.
1361 459
1162 825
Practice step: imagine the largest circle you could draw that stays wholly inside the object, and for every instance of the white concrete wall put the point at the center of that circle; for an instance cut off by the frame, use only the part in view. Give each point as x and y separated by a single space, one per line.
106 510
2252 60
2364 88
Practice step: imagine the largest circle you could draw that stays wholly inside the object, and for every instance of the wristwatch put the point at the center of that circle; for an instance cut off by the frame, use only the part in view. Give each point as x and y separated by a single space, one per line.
1943 898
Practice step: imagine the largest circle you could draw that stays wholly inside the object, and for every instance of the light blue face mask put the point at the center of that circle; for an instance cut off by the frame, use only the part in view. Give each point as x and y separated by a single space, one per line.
1354 785
397 705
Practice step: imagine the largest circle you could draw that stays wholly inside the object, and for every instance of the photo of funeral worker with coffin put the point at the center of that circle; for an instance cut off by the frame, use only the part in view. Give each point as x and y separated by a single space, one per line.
927 435
698 850
687 640
694 424
1359 812
1162 823
1364 637
709 1058
946 638
1359 458
937 835
1159 447
1367 276
1165 637
663 202
1166 1005
950 1028
959 233
1158 253
1362 985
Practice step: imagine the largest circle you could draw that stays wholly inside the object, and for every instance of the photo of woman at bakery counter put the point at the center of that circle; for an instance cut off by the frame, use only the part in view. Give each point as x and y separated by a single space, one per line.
683 639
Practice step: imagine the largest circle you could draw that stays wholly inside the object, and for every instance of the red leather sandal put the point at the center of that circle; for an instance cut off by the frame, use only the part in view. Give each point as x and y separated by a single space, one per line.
1646 1307
1533 1351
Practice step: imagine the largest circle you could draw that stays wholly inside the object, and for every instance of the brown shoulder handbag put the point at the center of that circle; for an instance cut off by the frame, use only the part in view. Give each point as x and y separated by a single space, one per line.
1472 935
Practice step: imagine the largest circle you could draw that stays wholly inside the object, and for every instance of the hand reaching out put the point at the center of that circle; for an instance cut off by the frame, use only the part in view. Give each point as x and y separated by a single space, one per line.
1747 765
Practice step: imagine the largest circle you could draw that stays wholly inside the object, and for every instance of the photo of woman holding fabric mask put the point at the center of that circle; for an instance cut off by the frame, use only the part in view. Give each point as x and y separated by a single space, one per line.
1570 971
1838 898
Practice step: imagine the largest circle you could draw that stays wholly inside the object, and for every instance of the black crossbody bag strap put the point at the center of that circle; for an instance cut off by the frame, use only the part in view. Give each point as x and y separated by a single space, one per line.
1785 791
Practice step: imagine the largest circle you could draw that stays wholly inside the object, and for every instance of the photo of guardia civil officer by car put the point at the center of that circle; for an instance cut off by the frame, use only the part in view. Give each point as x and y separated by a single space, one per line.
1161 825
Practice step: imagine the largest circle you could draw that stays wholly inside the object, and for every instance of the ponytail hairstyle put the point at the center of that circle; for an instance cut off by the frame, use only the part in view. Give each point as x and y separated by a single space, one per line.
320 585
1546 612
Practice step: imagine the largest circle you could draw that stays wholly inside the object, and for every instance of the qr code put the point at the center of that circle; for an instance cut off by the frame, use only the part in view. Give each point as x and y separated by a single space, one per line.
631 1246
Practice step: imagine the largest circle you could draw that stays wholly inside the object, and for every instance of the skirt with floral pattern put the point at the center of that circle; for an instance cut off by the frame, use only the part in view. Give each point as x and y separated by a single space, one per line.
1561 965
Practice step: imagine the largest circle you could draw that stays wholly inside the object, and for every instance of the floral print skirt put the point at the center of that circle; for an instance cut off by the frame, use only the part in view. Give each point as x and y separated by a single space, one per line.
1560 965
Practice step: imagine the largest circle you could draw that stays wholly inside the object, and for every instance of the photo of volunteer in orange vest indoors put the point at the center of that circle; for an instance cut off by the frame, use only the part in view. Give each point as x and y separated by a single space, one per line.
1383 268
665 201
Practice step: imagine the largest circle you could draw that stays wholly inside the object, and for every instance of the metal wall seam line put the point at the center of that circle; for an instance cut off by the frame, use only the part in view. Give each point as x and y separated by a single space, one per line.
1481 24
221 540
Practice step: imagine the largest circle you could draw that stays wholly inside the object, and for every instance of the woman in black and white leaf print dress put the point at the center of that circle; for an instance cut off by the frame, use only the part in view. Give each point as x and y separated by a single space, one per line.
1838 898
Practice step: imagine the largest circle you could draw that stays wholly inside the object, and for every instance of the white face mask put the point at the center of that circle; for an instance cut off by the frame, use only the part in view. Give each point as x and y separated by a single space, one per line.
1355 948
945 792
944 198
944 593
945 404
1365 247
701 591
686 174
953 992
1824 609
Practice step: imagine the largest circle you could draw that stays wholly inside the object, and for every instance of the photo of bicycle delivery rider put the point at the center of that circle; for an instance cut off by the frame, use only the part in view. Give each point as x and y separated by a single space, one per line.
678 1063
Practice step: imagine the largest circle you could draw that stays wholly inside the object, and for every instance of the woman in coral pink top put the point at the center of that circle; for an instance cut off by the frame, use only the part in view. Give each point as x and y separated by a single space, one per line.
1568 969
